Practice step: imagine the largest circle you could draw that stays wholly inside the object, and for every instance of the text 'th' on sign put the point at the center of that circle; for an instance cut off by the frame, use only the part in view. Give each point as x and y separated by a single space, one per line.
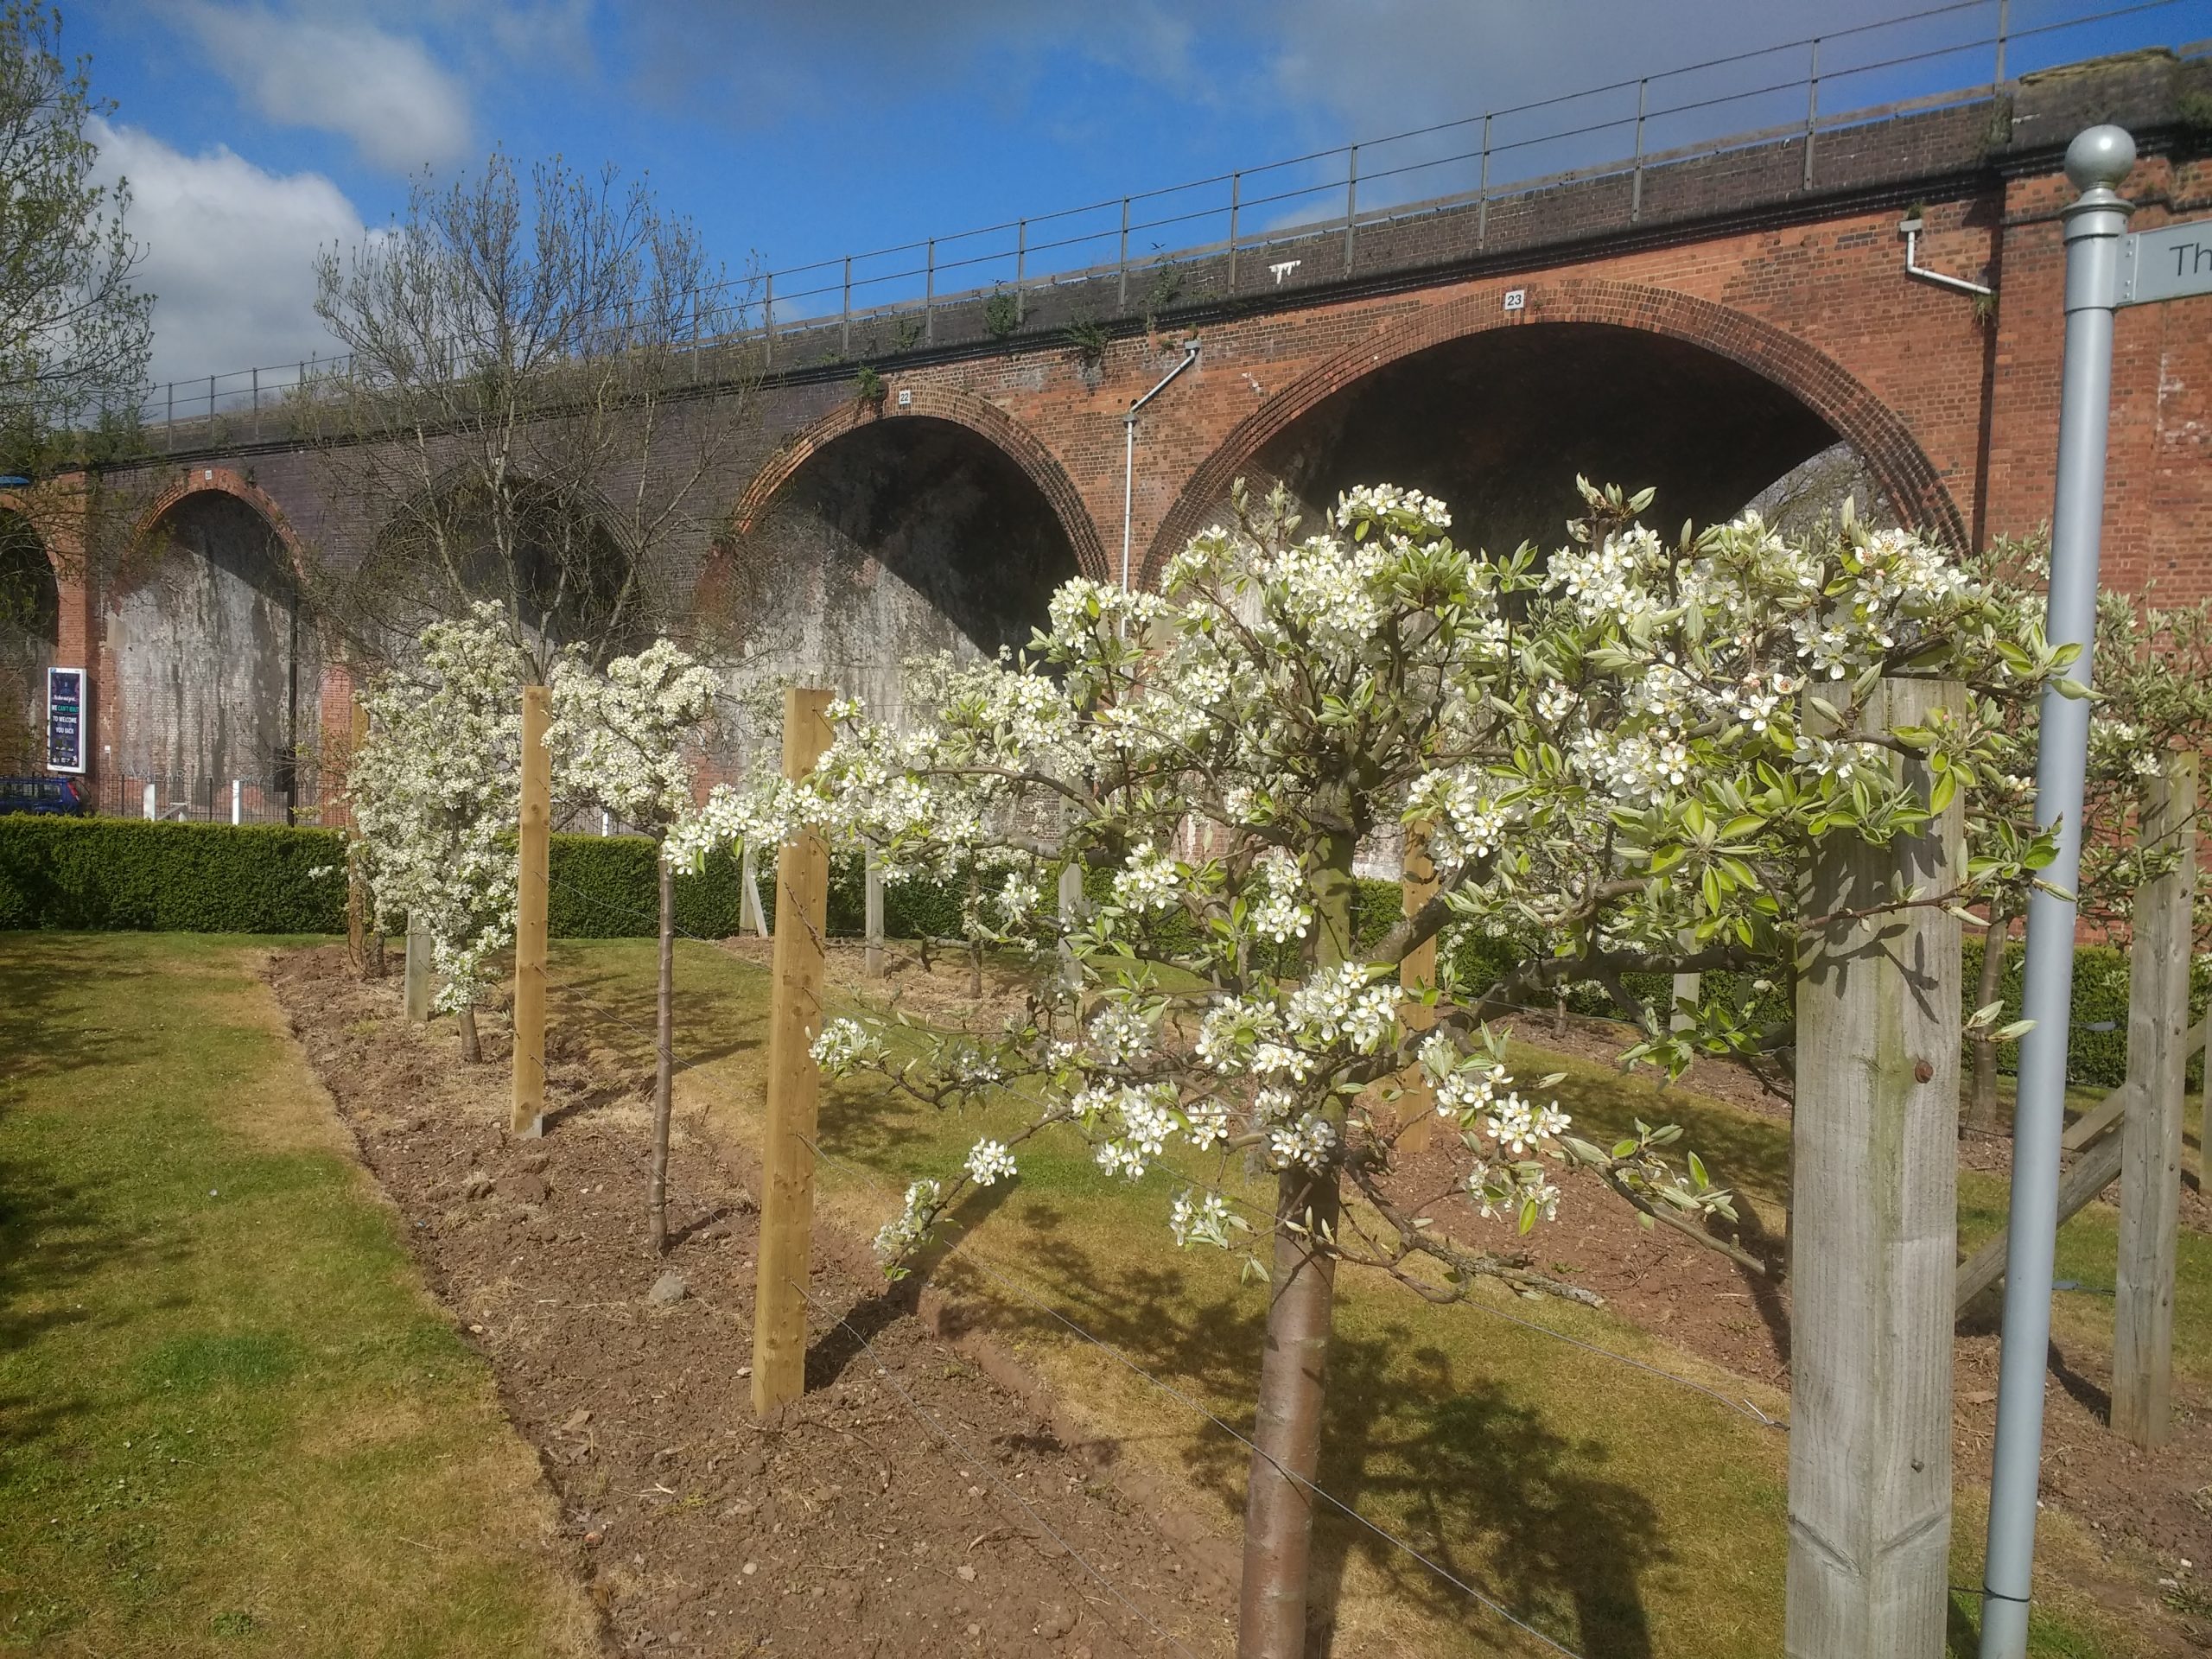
2170 263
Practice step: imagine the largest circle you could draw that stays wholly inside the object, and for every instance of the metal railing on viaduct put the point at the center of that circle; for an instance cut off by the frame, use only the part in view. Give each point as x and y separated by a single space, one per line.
1264 228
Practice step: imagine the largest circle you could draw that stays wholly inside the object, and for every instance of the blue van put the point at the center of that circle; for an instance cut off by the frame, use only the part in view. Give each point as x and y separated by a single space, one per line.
62 796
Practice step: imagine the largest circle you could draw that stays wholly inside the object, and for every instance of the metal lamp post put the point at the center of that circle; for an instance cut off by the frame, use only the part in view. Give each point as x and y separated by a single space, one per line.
2096 162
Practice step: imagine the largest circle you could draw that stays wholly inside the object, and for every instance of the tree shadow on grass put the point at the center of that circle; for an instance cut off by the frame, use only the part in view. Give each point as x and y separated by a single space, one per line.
607 1007
55 1231
1473 1477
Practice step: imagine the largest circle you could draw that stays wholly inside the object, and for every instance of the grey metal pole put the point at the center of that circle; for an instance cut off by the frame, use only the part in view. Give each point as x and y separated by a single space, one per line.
1812 109
1351 201
1235 190
2097 161
1123 302
1482 197
1635 190
929 298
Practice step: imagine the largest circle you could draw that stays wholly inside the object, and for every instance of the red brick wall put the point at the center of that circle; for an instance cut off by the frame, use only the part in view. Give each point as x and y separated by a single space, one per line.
1959 418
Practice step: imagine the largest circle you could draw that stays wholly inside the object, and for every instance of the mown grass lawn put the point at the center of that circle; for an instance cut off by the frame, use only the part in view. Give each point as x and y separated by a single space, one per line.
230 1421
1617 1512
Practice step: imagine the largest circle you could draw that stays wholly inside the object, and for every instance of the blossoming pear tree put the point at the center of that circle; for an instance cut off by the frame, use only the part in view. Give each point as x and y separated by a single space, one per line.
435 792
619 739
2154 695
1623 758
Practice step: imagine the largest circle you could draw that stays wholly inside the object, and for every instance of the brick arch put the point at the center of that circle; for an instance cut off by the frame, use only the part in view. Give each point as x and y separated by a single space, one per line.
198 480
1869 426
17 502
980 415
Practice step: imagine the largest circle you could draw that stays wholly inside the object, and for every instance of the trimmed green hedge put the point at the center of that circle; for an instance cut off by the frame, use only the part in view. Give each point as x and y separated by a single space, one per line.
2093 1056
608 887
603 887
125 874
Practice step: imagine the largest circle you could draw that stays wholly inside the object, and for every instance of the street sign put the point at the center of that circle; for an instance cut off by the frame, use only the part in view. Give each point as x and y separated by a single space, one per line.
65 720
2170 263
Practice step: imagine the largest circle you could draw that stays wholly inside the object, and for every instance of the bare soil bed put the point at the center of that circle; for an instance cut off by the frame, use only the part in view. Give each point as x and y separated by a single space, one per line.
909 1503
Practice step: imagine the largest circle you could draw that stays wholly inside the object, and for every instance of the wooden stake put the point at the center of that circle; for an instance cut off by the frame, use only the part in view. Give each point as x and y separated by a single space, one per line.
664 1067
872 915
357 895
1071 913
794 1082
1873 1236
1417 974
528 1117
2150 1132
415 985
749 911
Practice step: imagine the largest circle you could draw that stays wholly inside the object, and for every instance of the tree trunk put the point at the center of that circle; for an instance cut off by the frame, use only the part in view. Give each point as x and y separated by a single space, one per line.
663 1065
1287 1434
471 1051
1981 1096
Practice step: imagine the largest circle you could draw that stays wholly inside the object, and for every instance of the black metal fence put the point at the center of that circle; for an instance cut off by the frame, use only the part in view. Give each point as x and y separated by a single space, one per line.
192 799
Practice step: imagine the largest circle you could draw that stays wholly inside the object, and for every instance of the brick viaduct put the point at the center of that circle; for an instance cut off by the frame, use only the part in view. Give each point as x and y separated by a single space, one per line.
1706 333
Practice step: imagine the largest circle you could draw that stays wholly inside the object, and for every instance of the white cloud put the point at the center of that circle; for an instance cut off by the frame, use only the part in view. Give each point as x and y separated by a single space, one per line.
229 251
331 72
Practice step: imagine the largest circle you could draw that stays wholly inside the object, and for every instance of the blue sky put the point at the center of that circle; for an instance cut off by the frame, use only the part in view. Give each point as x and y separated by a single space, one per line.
253 131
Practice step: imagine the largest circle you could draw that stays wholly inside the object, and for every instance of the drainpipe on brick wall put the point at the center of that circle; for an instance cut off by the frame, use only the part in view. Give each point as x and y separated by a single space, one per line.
1130 451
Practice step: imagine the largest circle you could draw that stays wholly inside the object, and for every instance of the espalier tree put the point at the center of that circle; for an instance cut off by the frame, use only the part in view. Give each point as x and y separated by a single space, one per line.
1623 758
436 791
436 788
619 737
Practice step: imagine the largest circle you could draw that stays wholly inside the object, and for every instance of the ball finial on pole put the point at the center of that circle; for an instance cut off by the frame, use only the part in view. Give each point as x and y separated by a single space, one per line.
2099 158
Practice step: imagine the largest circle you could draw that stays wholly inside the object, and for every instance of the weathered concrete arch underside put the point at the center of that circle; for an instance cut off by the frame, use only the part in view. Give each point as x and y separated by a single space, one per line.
885 539
1497 412
219 661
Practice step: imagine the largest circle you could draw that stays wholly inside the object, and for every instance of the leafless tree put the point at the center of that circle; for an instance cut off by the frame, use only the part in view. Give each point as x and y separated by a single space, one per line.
529 411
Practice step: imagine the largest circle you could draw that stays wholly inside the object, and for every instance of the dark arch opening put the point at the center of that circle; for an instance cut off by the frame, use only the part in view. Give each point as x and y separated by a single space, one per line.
1499 423
567 576
902 537
30 634
218 659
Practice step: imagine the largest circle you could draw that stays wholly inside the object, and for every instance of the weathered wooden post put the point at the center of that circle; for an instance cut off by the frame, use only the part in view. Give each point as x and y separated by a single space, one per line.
1417 974
357 892
415 985
1071 907
534 846
749 911
2150 1153
872 915
1874 1234
794 1081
